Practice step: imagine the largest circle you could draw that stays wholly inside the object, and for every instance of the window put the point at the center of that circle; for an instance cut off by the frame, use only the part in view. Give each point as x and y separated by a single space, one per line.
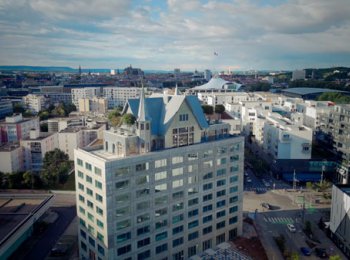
161 187
90 204
161 200
123 224
178 218
183 117
161 236
142 167
142 192
160 176
161 212
143 242
123 237
79 162
121 185
97 171
207 153
208 164
99 223
83 245
178 206
90 217
142 180
177 159
144 255
220 183
178 195
193 202
233 199
193 213
220 225
193 235
177 242
178 255
143 205
89 192
233 179
143 230
122 171
233 189
143 218
192 156
81 198
233 209
220 203
220 238
161 223
207 208
207 186
177 171
207 230
80 175
207 176
80 186
220 214
100 237
192 168
91 241
192 191
207 219
177 230
98 185
81 210
192 179
178 183
122 198
101 250
88 179
221 150
83 233
206 244
123 250
193 224
88 166
220 193
221 172
160 163
233 220
192 250
99 211
161 248
220 161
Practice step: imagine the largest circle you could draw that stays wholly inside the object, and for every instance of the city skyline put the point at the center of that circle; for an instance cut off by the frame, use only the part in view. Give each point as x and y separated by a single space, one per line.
196 34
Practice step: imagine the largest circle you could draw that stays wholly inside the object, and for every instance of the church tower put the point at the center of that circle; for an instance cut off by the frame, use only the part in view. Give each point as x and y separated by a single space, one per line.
143 125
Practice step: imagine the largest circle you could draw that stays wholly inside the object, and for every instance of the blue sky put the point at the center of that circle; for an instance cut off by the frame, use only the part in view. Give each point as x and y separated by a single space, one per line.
168 34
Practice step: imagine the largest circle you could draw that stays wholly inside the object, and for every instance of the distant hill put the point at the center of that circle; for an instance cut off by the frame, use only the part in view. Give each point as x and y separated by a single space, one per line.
37 68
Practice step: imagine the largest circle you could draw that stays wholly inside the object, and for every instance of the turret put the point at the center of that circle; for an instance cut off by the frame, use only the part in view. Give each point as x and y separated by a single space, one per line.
143 125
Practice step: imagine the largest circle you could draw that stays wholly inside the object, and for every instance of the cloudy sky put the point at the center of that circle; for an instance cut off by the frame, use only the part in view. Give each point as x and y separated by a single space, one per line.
168 34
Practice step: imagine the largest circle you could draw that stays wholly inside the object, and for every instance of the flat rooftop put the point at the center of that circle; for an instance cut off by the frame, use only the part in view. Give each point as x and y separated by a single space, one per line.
17 209
9 147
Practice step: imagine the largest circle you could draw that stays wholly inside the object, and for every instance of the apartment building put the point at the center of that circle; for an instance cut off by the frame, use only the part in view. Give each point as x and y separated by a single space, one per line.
84 93
15 128
285 140
6 108
11 158
77 137
118 96
168 187
95 105
35 103
36 146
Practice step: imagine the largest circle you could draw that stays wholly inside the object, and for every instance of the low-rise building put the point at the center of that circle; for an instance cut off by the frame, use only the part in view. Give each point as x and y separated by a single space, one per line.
11 158
35 103
94 105
6 108
15 128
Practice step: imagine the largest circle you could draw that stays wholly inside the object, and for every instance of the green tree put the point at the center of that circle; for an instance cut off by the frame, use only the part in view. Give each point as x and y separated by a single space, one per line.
14 180
207 109
68 108
295 256
44 127
43 115
18 108
129 119
219 109
309 185
55 168
27 113
27 179
58 111
335 257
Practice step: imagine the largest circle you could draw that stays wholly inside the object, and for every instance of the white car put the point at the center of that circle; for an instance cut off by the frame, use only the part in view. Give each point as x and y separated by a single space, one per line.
291 228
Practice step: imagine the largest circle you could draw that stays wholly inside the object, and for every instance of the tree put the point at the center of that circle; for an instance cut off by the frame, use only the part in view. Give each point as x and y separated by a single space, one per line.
219 109
68 108
208 110
56 167
18 108
43 115
129 119
44 127
335 257
27 179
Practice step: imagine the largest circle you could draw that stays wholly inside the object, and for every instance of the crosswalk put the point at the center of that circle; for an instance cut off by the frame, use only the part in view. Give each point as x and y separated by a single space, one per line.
279 220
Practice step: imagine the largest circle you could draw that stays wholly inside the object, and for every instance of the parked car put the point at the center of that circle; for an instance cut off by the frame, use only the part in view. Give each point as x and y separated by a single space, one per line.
291 228
321 252
305 251
266 205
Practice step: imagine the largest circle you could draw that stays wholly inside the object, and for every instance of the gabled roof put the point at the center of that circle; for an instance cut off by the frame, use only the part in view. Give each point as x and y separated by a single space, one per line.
161 111
216 83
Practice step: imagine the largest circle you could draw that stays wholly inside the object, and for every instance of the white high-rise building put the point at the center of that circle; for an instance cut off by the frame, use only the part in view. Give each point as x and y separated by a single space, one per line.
84 93
167 187
35 103
118 96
